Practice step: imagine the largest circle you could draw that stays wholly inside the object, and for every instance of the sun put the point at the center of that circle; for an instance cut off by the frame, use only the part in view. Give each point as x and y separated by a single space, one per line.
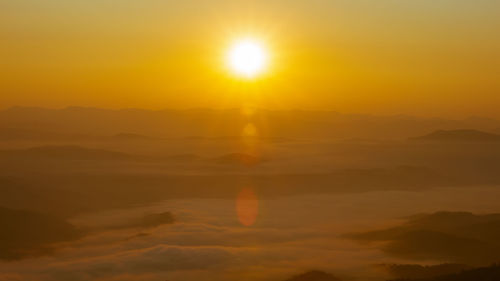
248 57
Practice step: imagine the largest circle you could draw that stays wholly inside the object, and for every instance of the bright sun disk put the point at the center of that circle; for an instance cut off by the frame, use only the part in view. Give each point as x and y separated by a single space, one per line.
247 58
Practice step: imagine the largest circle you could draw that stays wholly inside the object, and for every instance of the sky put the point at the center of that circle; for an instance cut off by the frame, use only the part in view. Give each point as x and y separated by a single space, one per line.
425 57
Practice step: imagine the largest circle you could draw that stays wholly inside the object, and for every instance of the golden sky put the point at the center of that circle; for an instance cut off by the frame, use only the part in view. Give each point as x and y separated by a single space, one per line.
425 57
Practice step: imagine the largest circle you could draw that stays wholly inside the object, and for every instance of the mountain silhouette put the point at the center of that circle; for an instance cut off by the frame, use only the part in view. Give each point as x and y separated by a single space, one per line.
131 136
409 271
199 122
447 236
491 273
459 135
314 275
28 233
238 159
68 152
184 157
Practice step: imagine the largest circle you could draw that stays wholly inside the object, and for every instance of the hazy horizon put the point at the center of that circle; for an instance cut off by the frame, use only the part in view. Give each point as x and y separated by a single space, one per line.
436 58
255 108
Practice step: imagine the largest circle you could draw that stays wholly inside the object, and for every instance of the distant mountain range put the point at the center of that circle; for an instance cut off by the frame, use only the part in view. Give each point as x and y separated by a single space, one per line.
491 273
16 134
238 159
28 233
314 275
80 153
68 152
459 135
459 237
32 122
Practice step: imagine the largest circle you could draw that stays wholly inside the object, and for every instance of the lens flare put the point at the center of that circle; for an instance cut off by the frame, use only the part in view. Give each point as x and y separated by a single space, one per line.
247 207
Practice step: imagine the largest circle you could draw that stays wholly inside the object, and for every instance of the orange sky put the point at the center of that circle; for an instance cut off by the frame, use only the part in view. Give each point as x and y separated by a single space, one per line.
439 58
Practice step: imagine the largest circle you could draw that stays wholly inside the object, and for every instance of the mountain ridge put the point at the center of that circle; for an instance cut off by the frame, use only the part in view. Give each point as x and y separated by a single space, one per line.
229 122
459 135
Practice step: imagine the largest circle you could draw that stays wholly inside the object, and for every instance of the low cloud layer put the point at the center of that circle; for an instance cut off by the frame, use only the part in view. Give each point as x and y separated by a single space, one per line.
291 236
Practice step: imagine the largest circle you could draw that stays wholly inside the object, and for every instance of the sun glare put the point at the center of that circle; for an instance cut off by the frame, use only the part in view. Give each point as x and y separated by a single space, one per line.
247 58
